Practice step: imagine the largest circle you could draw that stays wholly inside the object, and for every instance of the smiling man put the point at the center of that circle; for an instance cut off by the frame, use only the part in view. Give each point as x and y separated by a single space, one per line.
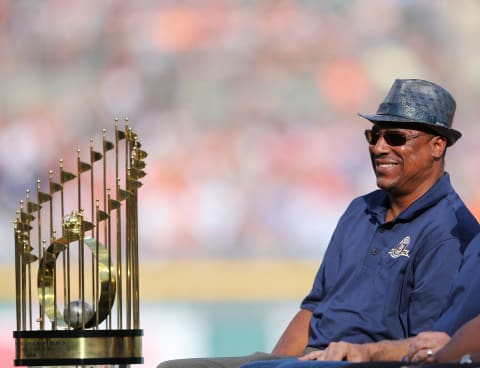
390 263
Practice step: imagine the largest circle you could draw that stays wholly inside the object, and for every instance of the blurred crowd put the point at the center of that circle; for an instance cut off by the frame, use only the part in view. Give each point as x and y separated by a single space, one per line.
246 108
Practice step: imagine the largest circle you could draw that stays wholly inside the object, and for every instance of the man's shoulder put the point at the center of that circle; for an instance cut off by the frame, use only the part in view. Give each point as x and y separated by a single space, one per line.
454 205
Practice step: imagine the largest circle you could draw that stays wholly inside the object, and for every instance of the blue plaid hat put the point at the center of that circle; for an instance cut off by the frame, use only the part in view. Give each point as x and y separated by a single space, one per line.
418 104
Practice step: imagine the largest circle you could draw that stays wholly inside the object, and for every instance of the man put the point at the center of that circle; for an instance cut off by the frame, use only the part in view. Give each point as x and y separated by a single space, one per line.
389 265
461 318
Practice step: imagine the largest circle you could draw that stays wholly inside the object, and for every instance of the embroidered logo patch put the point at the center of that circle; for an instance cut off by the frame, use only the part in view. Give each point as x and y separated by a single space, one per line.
401 248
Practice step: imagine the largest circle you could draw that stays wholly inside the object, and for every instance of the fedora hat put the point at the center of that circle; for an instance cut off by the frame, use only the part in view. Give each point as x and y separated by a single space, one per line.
418 104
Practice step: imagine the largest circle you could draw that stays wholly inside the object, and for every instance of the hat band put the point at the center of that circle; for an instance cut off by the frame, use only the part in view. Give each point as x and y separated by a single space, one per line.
408 112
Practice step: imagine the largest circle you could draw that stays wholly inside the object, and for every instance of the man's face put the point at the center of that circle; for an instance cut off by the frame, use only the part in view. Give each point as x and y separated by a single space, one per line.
403 159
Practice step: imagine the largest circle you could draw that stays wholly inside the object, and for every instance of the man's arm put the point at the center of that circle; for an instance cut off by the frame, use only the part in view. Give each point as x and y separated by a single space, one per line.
295 337
375 351
388 349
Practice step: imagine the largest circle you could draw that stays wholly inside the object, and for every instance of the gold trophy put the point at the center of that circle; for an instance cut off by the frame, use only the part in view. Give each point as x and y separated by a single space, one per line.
85 309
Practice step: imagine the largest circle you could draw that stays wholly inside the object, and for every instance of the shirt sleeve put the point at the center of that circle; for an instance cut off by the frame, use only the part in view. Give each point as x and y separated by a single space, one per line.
329 264
331 261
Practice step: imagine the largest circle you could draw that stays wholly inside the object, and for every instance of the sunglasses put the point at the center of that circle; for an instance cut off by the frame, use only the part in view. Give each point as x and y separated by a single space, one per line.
391 137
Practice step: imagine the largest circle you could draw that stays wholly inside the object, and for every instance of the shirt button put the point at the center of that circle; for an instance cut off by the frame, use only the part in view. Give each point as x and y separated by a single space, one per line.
374 252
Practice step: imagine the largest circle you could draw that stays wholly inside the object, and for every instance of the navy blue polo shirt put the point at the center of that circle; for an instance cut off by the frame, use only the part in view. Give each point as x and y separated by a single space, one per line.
463 305
389 280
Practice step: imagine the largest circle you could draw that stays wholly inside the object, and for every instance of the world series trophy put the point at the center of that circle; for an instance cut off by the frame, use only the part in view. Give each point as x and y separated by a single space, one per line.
78 242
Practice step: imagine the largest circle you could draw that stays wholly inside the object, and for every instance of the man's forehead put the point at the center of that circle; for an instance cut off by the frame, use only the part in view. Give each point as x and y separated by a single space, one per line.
379 127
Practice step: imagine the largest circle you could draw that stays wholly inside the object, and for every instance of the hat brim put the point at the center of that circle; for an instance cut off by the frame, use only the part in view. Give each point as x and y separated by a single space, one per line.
452 135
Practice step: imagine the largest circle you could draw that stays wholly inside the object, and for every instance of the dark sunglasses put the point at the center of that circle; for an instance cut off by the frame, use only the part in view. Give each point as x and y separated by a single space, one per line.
391 137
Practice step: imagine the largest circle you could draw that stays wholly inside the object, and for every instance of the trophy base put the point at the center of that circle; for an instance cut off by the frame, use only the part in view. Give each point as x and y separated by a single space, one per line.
78 347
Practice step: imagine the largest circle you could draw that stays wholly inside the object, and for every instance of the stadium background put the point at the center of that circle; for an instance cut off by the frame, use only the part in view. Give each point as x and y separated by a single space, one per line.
248 112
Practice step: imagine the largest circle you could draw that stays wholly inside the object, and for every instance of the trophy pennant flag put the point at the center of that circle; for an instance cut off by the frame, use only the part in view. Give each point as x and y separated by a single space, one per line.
76 260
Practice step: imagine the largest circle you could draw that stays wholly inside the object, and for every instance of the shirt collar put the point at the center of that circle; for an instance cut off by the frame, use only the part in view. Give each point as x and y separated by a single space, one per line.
438 191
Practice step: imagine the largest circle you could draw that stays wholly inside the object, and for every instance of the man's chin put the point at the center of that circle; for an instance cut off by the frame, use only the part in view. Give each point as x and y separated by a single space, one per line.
385 185
382 184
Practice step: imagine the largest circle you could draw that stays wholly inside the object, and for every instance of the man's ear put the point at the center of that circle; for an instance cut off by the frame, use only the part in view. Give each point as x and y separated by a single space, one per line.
439 146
